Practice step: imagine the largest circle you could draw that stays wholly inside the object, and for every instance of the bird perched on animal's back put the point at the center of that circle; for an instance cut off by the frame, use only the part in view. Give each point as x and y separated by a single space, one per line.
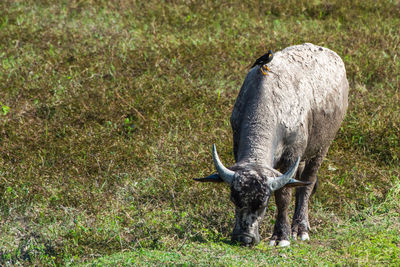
264 59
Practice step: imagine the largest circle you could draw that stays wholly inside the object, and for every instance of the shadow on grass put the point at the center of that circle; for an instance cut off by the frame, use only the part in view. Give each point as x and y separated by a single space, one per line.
31 247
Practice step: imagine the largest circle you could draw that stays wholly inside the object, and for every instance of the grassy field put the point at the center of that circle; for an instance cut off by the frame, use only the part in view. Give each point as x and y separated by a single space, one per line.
108 109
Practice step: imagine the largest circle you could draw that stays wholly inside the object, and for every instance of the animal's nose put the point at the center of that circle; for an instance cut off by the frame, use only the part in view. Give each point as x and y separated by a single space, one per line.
245 240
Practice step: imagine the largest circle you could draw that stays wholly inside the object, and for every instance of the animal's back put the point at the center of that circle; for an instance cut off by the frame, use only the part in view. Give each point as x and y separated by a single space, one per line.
305 92
308 78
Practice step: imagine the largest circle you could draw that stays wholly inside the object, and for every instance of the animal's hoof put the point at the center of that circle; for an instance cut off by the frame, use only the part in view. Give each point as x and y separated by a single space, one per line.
272 243
304 237
284 243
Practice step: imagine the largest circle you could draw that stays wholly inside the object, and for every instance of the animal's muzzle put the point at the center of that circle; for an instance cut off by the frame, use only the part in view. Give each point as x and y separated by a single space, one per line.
246 239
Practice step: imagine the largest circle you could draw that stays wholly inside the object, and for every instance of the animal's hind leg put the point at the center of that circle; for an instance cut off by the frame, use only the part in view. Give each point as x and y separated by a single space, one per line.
300 224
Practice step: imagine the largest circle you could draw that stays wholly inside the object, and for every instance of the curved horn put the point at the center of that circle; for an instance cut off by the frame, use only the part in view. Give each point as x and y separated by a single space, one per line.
214 178
226 174
282 180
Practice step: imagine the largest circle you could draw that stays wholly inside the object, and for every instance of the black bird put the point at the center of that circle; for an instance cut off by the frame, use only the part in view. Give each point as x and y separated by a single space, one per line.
261 61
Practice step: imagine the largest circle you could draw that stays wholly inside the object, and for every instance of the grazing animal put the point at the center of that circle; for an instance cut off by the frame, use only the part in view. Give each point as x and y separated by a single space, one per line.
284 121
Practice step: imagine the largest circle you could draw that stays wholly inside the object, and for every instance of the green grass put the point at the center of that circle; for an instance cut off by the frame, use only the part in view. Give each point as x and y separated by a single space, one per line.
366 238
108 109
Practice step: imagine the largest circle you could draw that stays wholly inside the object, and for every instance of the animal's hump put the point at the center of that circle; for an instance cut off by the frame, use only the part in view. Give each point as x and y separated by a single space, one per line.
307 77
302 78
307 56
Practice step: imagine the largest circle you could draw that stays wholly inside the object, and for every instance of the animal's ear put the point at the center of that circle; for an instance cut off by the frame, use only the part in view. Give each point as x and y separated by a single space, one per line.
213 178
295 183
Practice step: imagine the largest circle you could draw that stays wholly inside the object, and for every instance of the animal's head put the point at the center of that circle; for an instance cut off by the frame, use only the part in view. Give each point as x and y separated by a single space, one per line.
251 189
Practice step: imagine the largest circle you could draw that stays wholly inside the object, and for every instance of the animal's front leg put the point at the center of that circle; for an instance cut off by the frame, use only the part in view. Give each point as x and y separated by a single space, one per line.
281 232
300 224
